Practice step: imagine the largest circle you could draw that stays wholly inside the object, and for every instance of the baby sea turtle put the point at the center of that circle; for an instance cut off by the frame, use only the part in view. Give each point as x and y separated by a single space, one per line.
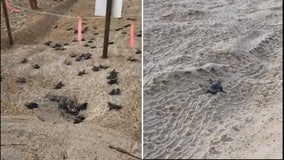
214 87
57 45
72 55
69 105
69 29
130 19
78 58
112 77
81 72
112 81
128 25
21 80
112 74
31 105
138 52
96 68
58 85
55 98
131 59
24 60
118 29
68 61
103 67
114 92
113 106
82 106
35 66
78 119
86 56
90 41
48 43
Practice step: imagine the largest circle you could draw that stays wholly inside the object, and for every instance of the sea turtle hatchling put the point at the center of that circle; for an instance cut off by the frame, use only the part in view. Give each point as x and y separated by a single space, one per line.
214 87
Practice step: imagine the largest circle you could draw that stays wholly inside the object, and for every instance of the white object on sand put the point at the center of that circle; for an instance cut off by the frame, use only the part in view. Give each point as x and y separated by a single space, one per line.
100 8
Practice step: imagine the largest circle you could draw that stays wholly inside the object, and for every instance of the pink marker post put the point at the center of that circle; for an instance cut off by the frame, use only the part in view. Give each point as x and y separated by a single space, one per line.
80 31
12 8
131 43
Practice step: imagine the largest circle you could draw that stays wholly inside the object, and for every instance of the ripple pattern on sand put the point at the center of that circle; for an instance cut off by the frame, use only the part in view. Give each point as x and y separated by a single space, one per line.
185 44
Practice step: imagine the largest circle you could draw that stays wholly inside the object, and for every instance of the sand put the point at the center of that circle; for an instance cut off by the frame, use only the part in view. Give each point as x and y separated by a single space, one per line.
24 134
188 42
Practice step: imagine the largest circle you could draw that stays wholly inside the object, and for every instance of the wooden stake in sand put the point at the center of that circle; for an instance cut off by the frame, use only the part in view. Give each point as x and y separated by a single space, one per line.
107 26
123 151
7 22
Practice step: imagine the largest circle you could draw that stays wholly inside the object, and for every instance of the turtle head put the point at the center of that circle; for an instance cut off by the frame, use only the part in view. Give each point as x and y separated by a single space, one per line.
219 81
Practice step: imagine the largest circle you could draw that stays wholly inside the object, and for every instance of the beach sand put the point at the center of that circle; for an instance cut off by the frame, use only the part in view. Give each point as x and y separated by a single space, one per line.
43 133
188 42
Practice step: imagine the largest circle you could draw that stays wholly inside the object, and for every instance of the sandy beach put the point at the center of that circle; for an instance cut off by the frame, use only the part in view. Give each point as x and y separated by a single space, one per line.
45 132
188 42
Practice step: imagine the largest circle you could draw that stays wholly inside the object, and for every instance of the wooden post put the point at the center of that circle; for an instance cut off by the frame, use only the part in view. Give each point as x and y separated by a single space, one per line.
7 22
107 26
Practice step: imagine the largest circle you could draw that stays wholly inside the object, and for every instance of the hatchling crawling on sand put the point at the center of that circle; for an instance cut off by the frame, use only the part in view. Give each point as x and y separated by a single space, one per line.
214 87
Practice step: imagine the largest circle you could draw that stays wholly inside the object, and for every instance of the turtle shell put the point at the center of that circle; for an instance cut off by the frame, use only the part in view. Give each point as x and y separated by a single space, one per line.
215 87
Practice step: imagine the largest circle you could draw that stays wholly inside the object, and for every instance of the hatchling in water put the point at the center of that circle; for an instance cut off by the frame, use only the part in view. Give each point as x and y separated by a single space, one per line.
214 87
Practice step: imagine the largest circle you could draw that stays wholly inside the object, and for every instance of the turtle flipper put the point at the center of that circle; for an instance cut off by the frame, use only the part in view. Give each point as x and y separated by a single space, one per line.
213 93
208 91
221 89
210 81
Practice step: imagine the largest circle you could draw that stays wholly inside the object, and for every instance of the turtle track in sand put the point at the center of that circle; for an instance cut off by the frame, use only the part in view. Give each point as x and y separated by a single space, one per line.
180 56
179 118
192 115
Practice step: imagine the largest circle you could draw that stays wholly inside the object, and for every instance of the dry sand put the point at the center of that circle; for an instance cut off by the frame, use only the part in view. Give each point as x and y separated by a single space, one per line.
188 42
24 136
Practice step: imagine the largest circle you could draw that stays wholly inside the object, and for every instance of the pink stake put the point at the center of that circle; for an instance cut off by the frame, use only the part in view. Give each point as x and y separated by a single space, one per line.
80 31
131 43
12 8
